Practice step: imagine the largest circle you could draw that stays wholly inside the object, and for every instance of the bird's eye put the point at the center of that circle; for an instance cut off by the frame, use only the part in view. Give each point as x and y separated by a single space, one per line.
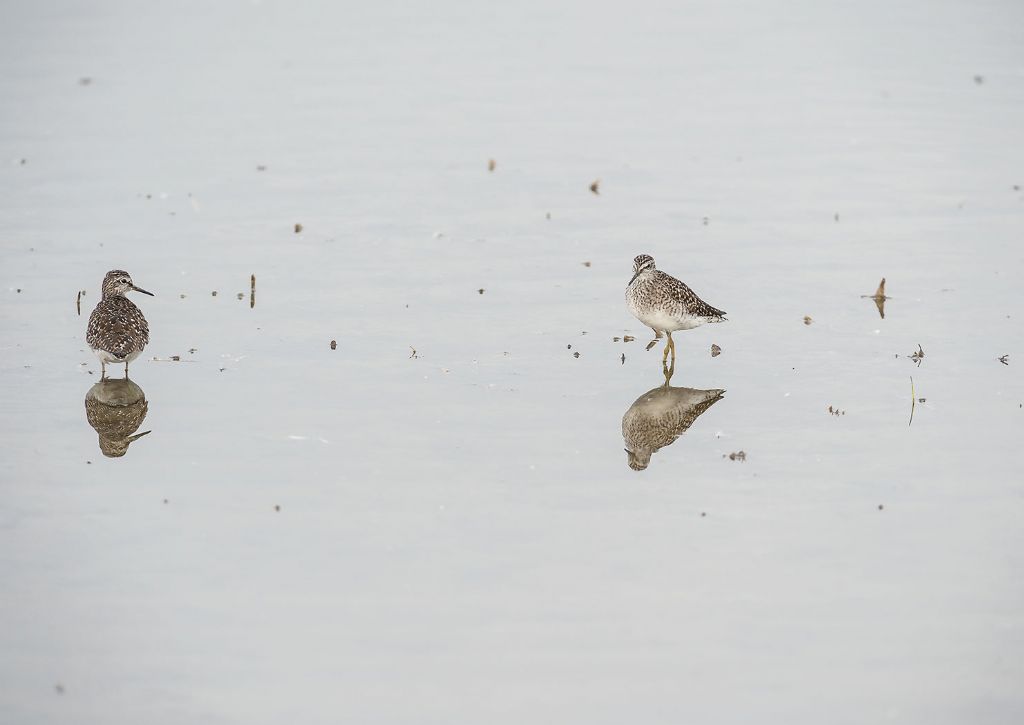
124 281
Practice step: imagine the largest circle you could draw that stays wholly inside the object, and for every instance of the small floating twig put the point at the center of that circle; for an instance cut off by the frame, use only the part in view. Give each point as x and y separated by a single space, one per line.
252 291
879 298
913 400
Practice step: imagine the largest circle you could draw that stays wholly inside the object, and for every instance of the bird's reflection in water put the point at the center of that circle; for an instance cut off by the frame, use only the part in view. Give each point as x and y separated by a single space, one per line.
115 409
661 415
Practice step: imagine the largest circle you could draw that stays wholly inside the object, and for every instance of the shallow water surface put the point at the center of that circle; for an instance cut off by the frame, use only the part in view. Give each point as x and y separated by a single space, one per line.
484 504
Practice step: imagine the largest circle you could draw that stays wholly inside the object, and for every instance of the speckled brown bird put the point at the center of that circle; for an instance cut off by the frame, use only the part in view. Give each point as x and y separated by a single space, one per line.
665 304
117 331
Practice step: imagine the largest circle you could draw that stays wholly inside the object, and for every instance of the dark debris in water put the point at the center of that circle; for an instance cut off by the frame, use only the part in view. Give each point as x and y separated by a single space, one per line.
595 187
836 411
298 227
918 356
492 164
1005 359
736 456
808 319
334 344
879 298
715 350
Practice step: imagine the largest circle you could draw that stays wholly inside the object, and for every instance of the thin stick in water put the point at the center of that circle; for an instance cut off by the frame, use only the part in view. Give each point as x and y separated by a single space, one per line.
913 400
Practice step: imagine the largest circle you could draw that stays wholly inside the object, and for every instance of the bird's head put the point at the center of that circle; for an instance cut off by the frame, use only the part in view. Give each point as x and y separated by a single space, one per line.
642 263
117 283
638 460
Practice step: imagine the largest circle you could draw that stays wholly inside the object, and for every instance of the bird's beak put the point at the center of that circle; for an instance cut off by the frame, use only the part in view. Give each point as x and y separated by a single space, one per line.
634 277
139 289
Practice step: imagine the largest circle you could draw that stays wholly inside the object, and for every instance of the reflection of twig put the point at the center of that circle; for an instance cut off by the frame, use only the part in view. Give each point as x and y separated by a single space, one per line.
879 298
913 400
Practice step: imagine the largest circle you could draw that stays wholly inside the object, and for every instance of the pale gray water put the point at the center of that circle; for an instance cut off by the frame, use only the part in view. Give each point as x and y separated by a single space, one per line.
459 537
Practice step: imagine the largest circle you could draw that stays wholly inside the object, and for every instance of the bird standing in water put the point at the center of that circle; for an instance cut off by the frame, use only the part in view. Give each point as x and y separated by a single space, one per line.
665 304
117 331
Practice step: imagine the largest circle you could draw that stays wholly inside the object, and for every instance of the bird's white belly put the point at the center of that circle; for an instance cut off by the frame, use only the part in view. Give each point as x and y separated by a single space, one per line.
106 358
669 323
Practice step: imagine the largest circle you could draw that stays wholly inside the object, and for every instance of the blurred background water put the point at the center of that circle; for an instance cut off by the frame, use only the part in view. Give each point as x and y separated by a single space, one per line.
436 521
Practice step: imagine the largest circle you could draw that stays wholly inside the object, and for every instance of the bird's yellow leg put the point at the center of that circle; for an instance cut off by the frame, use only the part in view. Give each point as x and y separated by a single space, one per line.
672 345
668 371
664 355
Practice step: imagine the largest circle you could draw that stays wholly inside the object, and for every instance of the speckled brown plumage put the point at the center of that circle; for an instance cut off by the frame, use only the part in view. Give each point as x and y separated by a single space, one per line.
117 326
117 331
659 416
675 297
665 304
